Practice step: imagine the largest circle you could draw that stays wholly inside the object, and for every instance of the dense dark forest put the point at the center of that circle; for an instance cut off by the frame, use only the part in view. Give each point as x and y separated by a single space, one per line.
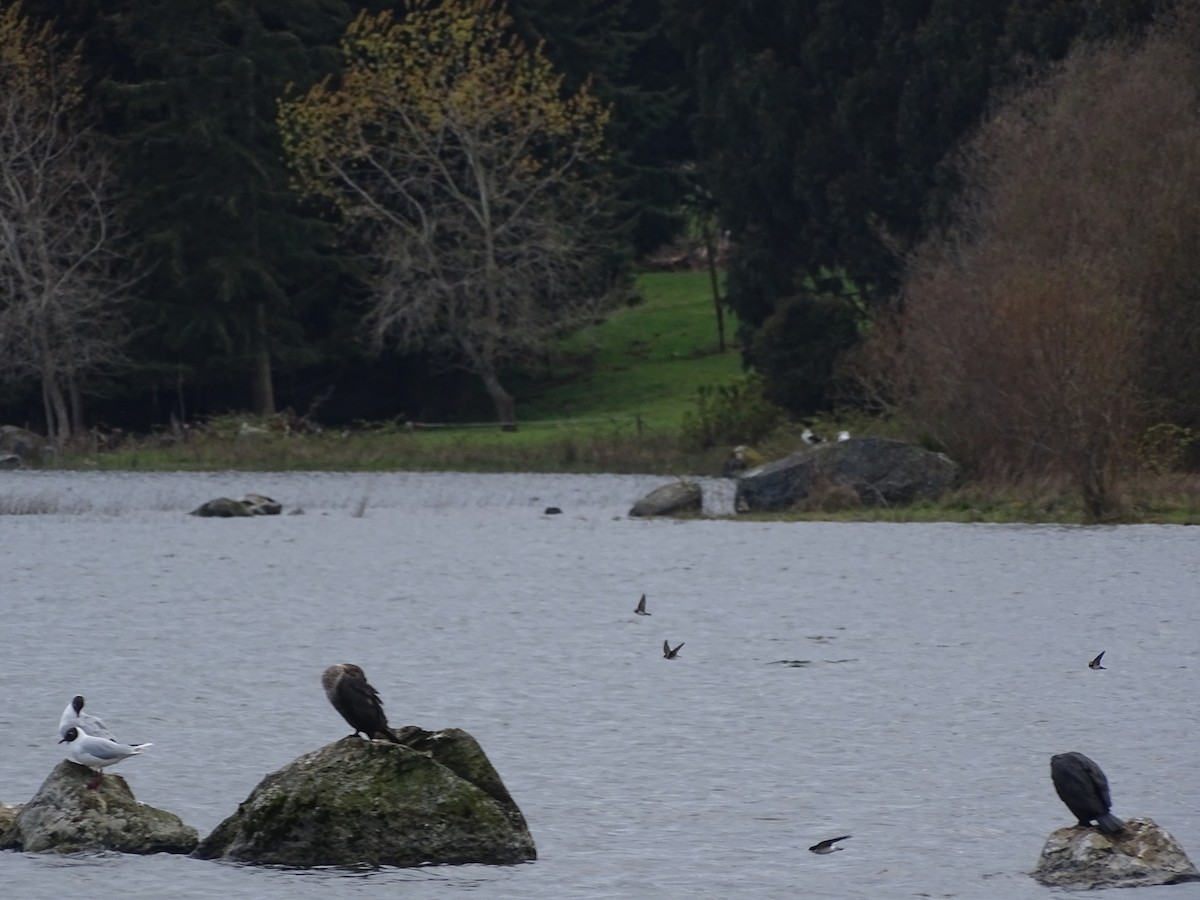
823 132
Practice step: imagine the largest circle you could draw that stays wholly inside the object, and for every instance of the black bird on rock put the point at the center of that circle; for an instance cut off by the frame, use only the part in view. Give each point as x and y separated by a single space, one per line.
347 689
1082 786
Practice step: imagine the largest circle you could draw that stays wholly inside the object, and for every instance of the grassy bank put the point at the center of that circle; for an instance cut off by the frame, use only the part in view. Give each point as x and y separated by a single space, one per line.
612 398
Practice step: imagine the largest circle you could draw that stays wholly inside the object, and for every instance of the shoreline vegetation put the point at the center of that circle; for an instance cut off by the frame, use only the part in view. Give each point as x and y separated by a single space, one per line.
643 392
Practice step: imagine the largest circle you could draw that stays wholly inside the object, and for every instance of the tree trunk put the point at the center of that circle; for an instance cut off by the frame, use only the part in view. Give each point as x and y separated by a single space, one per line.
506 407
75 396
710 250
262 391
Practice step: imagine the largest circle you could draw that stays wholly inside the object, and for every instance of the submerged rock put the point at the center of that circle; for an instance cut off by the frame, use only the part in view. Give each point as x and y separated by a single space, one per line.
873 471
250 505
222 508
65 816
1085 858
262 505
670 499
433 799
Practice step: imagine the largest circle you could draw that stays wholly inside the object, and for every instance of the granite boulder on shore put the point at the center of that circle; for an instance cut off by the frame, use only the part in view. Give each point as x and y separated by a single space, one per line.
65 816
433 799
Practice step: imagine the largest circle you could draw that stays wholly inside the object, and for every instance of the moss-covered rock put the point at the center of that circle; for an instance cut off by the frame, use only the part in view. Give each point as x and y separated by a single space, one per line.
433 799
65 816
7 815
672 499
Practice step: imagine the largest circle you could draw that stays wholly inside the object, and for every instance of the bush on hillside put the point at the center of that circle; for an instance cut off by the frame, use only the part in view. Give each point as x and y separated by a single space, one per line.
1055 315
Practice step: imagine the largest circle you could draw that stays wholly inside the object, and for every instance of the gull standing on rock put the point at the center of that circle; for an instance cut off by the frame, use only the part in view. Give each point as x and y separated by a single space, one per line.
97 752
74 717
347 689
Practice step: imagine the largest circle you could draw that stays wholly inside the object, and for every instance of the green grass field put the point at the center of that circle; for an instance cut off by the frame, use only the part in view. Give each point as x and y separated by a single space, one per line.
643 361
612 399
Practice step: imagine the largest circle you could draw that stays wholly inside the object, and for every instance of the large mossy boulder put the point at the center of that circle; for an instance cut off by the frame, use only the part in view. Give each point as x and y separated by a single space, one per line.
871 471
65 816
672 499
433 799
1083 858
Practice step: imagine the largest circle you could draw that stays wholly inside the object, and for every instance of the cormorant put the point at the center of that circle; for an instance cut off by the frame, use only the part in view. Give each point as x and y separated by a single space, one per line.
641 607
1082 786
347 689
668 653
824 847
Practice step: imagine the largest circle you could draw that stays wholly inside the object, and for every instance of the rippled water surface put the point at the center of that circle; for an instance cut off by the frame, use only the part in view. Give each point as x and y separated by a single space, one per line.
905 684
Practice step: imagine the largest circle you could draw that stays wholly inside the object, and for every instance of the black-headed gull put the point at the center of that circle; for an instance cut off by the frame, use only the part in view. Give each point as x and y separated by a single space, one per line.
74 717
347 689
97 752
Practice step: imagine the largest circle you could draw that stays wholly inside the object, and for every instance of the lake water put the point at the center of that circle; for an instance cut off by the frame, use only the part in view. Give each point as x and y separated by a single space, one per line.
931 671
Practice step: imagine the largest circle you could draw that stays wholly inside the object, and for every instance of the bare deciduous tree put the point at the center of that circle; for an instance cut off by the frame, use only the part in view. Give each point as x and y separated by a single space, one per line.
450 146
60 300
1033 330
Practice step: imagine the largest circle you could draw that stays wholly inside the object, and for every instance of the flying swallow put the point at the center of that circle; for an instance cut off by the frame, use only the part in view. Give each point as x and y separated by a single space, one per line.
1095 663
668 653
824 847
641 607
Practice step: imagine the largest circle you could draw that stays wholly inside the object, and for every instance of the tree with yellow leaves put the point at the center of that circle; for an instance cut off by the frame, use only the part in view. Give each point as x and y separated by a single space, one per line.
451 148
60 300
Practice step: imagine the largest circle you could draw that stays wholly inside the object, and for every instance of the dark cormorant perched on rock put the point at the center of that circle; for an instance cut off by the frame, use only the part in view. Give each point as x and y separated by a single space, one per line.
347 689
1082 786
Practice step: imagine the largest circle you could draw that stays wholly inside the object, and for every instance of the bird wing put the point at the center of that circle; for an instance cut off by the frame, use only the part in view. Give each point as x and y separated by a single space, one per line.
1101 783
95 727
103 748
1096 661
667 647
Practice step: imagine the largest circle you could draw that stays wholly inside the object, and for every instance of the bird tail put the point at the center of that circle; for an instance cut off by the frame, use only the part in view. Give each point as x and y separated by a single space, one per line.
138 748
1110 824
388 734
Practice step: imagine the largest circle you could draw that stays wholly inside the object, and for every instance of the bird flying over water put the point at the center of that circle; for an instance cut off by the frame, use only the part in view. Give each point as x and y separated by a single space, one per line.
827 845
668 653
1095 663
641 607
823 847
347 689
97 752
74 717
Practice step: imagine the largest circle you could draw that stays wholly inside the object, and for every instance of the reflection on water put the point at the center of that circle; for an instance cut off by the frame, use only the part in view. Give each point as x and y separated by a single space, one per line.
906 684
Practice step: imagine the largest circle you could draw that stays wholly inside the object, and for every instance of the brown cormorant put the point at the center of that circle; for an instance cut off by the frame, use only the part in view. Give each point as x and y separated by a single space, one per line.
1082 786
347 689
